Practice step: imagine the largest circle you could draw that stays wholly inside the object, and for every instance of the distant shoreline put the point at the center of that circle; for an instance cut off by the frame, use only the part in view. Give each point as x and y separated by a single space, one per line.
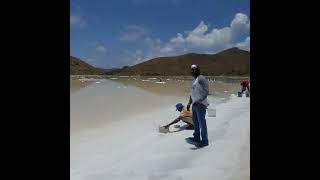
160 77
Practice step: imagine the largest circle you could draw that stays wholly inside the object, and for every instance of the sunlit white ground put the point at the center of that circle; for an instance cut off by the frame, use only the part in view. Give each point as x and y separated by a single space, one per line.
114 135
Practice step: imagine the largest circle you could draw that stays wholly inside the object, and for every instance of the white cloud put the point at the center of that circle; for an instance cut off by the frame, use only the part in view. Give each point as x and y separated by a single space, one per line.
102 49
132 32
244 45
77 21
177 40
166 49
157 48
202 39
133 57
240 24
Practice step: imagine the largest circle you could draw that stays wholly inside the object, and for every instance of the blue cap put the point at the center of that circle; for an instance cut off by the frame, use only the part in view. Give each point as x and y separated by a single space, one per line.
179 106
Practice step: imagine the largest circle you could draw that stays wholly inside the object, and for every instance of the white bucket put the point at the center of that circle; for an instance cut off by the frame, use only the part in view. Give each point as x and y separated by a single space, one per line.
211 112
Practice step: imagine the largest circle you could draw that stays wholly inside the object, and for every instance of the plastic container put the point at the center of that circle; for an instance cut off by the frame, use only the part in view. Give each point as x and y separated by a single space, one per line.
211 112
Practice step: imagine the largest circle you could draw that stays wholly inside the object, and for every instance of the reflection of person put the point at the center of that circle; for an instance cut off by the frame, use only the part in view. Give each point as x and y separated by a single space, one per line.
199 102
245 85
185 116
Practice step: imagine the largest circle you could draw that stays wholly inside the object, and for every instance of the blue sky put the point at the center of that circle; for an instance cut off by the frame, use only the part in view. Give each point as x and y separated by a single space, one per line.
115 33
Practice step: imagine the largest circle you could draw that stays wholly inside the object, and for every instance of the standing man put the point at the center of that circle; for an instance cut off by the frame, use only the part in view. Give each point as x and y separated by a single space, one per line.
199 102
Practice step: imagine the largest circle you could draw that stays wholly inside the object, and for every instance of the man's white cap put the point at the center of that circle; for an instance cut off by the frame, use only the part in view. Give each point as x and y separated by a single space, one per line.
193 66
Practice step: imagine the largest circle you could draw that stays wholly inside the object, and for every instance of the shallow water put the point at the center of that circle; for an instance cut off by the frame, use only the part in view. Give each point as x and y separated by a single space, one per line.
96 102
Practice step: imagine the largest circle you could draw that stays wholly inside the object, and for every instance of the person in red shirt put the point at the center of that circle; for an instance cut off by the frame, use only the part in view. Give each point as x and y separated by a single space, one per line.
245 85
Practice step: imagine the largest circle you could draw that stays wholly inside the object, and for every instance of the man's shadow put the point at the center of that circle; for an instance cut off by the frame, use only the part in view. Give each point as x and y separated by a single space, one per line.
181 128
